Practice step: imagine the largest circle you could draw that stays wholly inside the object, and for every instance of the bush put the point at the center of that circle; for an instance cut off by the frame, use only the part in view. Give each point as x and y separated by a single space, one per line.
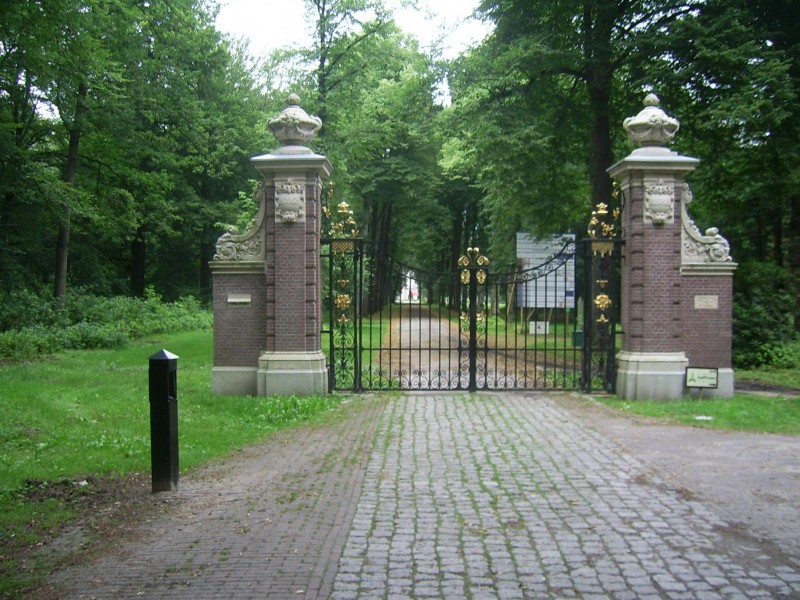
20 309
762 320
32 326
85 336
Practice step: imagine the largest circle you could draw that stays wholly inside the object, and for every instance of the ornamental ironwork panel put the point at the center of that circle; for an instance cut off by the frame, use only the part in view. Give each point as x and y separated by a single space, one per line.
341 260
601 260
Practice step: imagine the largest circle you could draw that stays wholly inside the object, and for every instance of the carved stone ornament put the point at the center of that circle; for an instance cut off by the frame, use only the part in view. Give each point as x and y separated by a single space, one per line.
231 246
290 202
293 126
698 248
652 126
658 203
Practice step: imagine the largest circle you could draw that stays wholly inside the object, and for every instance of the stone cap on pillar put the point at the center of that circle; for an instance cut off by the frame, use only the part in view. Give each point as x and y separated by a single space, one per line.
650 131
652 126
294 128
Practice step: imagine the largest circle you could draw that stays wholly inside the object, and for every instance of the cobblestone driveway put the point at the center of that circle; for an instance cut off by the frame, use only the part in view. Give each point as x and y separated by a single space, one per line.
427 495
504 496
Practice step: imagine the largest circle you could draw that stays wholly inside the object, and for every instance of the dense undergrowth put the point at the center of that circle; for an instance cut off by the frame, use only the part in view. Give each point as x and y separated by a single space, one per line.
32 326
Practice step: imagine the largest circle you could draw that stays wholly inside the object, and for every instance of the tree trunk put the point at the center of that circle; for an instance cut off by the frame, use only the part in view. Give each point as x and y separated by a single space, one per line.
794 254
598 27
70 175
206 255
777 237
452 259
138 255
62 252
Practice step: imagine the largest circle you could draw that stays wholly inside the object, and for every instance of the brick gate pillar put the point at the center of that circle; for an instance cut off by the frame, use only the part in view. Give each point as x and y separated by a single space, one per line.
293 361
268 281
670 291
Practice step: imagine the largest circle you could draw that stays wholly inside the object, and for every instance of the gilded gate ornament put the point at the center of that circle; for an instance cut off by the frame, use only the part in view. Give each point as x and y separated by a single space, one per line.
343 266
603 302
472 259
602 227
601 280
342 302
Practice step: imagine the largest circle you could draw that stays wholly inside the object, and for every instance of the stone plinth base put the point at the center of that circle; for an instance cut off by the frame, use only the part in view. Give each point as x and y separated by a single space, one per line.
292 373
651 375
724 389
234 381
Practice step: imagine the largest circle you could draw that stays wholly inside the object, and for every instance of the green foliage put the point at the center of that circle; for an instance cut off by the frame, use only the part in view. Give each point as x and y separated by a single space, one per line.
154 113
785 375
167 114
32 326
763 323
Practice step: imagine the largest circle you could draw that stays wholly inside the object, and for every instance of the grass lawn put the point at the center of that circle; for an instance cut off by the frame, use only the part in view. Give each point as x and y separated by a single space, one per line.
789 377
85 414
742 412
778 412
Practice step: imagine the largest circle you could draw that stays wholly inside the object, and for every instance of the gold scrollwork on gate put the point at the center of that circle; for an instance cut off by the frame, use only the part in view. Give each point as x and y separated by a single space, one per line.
473 258
603 226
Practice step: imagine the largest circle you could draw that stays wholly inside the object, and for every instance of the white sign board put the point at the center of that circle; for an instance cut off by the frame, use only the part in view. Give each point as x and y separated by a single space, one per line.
549 275
701 378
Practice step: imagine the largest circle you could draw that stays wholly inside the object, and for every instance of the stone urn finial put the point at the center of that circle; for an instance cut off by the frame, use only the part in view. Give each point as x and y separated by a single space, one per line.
652 126
294 128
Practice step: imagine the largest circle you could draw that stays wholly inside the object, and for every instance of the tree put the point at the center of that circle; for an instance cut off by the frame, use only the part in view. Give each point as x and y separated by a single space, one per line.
340 28
384 133
124 127
189 122
543 87
521 147
727 69
29 174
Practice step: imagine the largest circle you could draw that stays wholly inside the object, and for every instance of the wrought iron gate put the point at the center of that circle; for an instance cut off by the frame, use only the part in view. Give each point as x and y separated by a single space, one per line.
392 326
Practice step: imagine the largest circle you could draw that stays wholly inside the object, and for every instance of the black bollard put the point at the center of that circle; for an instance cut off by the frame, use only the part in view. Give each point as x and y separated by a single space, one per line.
164 421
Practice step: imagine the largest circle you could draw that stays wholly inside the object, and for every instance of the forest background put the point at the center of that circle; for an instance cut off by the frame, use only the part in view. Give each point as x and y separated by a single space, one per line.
127 127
